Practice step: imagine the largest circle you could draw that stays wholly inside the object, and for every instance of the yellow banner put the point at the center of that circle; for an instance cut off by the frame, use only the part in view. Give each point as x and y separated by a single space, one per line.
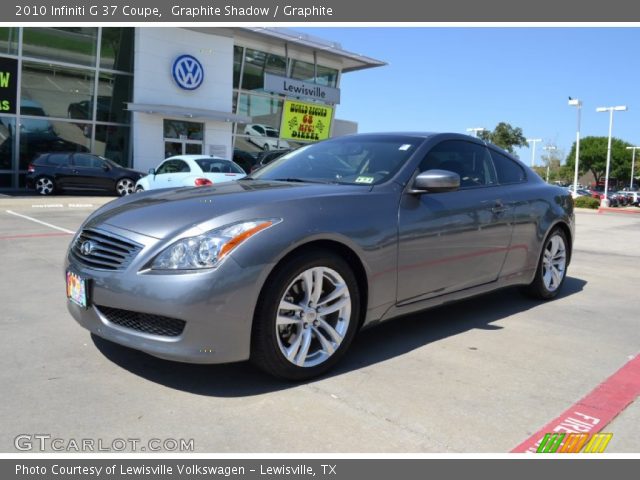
305 121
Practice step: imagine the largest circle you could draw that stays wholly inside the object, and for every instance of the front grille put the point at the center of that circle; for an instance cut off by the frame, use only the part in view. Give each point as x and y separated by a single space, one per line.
108 252
143 322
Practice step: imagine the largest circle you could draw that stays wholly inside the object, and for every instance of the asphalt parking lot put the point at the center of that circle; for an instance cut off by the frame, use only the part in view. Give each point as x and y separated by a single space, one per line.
478 376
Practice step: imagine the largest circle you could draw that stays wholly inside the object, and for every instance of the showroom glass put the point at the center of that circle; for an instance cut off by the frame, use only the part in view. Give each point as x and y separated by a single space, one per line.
183 130
237 65
54 90
508 170
9 40
355 161
114 91
70 44
469 160
52 136
256 64
7 129
112 142
116 49
326 76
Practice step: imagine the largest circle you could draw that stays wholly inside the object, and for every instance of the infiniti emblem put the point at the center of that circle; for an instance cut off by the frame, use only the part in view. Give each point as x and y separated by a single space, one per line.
87 247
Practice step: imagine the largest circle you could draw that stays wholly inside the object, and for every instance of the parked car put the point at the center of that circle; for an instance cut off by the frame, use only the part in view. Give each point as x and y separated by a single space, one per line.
286 265
264 136
34 125
84 109
190 171
245 159
62 171
613 199
267 157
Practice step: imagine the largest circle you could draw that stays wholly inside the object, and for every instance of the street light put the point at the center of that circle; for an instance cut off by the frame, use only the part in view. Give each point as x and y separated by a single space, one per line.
533 152
574 102
633 161
619 108
476 130
549 148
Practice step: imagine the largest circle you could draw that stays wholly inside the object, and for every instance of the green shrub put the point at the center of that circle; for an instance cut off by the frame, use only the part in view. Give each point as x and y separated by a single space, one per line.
587 202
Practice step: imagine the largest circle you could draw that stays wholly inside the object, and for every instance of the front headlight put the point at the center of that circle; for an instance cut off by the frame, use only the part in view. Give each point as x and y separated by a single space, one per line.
208 249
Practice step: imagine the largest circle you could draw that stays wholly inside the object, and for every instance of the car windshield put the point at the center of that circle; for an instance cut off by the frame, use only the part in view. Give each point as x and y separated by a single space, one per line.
271 132
212 165
357 160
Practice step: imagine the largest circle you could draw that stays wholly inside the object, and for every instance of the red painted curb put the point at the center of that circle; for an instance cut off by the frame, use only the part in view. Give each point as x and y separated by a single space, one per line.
617 210
596 410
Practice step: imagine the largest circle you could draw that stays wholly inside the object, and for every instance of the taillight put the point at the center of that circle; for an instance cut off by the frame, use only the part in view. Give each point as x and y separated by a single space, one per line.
31 168
202 182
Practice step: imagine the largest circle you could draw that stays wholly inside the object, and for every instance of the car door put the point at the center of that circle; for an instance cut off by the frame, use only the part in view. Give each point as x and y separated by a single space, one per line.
170 173
453 240
88 173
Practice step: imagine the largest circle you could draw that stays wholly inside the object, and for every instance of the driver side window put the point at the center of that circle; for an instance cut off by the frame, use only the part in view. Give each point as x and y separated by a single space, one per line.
469 160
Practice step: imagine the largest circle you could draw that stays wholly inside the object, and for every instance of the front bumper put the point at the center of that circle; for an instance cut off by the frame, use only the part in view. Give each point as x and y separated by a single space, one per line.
217 307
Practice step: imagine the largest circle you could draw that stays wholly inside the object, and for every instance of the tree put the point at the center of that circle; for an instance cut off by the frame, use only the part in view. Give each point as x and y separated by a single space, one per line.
553 160
593 158
505 136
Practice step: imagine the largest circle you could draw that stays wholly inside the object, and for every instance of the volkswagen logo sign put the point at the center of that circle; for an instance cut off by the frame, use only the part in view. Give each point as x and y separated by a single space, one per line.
187 72
87 247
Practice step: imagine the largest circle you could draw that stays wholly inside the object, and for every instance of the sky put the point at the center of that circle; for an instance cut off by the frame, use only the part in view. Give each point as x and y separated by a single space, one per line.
451 79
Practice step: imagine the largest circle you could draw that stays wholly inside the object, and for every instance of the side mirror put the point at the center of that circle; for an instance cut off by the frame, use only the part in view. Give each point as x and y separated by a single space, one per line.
106 167
435 181
151 171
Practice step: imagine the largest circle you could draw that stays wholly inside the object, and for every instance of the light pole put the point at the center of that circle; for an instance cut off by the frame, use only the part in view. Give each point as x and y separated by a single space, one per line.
574 102
549 148
619 108
476 130
633 161
533 152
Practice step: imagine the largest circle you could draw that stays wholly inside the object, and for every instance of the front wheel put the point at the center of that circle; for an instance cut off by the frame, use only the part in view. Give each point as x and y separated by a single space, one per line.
125 186
139 189
552 267
306 317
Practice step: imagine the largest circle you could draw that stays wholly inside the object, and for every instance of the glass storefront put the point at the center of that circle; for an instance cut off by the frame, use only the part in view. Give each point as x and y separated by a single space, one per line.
73 86
265 109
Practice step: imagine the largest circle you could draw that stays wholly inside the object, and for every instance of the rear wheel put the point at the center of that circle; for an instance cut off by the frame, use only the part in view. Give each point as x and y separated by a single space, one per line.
44 186
125 186
552 267
306 317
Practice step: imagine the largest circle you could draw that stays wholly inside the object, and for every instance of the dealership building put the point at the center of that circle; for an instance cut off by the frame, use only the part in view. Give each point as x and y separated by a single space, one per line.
139 95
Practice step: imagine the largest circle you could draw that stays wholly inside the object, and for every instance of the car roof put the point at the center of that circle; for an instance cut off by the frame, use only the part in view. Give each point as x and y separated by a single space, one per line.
196 157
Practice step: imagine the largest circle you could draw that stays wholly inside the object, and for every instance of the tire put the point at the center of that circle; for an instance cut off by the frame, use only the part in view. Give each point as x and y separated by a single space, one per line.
266 147
125 186
315 341
139 189
546 285
44 186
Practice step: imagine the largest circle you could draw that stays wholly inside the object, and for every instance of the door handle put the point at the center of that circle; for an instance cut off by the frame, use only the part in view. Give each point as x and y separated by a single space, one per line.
498 207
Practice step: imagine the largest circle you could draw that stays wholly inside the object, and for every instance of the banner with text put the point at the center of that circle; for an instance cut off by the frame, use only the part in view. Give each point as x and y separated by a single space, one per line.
305 122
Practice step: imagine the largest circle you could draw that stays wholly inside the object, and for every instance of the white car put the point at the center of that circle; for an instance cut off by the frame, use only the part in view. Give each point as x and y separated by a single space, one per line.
190 171
265 137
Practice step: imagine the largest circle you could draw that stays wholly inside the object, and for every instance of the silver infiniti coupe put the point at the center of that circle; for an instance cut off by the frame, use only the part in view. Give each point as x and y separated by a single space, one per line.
285 266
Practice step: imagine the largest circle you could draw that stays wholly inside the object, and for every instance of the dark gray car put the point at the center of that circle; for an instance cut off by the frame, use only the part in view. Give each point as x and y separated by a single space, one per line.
285 266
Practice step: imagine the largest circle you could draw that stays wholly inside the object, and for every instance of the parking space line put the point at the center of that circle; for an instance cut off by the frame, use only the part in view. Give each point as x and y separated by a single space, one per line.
40 222
596 410
35 235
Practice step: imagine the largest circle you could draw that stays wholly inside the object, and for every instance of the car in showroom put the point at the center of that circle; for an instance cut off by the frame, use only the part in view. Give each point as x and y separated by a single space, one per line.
265 137
285 266
190 171
56 172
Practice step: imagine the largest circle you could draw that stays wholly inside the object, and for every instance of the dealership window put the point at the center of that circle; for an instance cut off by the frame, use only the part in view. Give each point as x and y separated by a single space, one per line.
326 76
116 49
303 71
112 141
256 64
9 40
7 129
55 91
75 45
237 65
113 91
44 135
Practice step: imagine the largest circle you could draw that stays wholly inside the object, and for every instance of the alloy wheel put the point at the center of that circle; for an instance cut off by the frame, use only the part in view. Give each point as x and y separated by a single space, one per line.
125 186
554 263
44 186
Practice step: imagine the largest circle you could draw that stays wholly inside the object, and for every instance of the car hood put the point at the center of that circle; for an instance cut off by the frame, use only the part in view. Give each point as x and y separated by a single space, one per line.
163 213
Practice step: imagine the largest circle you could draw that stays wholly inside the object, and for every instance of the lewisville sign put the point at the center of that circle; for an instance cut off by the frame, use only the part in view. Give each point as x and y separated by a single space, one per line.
300 89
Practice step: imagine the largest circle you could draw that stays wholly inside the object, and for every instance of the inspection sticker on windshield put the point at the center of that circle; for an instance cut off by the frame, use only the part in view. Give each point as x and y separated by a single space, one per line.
405 147
364 180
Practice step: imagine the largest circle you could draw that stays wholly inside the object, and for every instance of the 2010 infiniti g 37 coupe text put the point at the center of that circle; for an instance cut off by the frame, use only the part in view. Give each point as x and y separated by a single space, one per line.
285 266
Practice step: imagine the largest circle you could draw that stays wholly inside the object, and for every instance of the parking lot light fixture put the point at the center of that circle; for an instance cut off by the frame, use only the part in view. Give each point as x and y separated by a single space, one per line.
574 102
476 130
633 162
619 108
533 151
